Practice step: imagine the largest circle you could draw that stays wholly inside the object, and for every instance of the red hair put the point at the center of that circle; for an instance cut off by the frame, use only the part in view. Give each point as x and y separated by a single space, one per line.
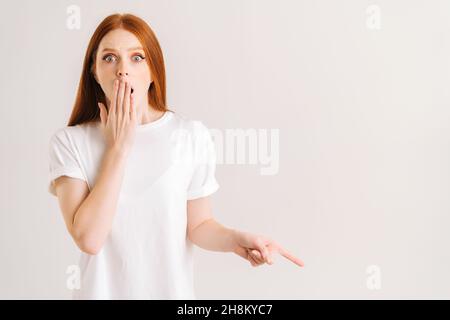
89 92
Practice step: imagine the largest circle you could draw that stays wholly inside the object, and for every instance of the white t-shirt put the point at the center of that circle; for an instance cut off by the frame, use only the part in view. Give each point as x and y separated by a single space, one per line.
147 254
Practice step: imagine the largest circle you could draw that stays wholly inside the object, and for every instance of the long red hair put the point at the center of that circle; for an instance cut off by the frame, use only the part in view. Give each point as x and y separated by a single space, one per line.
89 91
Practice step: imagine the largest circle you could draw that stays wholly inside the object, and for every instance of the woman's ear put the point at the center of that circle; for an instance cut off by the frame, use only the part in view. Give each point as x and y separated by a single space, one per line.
93 72
95 76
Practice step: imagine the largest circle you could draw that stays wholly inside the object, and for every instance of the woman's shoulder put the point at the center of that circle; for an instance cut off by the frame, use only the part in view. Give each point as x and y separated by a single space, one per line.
75 131
195 126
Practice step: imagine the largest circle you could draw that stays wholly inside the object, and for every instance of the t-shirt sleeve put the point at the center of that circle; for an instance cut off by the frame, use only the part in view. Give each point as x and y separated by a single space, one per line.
62 159
203 182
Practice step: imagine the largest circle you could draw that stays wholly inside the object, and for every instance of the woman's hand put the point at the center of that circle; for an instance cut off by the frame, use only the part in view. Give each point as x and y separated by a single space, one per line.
119 121
259 249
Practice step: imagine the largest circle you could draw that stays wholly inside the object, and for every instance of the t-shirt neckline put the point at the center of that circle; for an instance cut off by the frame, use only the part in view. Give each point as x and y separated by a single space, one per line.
154 124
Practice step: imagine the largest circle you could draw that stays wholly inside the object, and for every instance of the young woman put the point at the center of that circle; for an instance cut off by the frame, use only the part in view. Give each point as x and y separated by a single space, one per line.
133 178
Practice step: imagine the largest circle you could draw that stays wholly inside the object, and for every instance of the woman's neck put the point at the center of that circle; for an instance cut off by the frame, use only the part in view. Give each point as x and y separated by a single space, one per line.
149 114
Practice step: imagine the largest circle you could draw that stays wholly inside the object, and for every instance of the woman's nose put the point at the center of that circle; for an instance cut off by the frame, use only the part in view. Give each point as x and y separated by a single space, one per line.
122 69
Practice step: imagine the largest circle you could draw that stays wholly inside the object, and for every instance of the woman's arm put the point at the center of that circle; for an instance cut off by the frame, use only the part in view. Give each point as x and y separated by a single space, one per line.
204 231
89 218
207 233
211 235
90 222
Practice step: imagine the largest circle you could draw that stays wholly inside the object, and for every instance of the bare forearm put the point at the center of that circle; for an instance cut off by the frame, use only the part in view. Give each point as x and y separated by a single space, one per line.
93 219
211 235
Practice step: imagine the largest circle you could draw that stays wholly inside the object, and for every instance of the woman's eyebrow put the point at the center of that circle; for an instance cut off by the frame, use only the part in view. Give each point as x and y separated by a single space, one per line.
130 49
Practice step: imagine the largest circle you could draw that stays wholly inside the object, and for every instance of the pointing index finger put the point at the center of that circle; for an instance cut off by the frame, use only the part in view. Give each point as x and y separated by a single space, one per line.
291 257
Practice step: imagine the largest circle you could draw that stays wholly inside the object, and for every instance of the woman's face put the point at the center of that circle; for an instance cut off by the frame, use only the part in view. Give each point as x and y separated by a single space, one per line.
120 56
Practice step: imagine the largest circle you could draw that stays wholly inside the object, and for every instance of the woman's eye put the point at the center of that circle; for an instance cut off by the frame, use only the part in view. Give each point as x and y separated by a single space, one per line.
138 58
108 58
